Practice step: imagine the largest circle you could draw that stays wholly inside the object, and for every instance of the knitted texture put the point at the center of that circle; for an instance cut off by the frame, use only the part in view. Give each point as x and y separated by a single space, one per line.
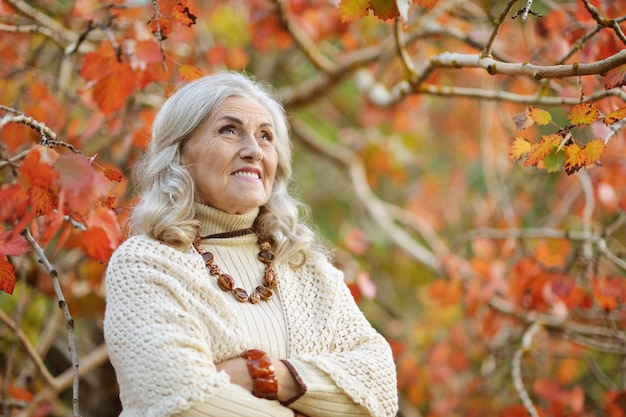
166 326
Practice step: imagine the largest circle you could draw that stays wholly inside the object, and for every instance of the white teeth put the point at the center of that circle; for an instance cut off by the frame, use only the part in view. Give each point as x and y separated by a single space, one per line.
246 174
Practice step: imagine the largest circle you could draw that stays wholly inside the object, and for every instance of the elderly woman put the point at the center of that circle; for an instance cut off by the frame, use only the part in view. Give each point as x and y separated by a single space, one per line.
222 303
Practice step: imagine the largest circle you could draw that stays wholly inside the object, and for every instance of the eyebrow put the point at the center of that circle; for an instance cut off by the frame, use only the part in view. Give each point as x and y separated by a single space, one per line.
240 122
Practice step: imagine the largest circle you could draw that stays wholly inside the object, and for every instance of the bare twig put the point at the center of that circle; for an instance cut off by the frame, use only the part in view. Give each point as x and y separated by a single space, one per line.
516 371
63 306
603 22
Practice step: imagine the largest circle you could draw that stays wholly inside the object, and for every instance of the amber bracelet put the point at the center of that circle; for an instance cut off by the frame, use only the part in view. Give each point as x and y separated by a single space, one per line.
264 382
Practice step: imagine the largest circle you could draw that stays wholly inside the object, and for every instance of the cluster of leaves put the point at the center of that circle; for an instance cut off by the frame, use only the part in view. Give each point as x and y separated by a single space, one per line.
561 150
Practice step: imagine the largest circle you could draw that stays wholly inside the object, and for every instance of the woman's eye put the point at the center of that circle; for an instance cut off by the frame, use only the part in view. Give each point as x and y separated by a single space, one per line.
227 130
267 136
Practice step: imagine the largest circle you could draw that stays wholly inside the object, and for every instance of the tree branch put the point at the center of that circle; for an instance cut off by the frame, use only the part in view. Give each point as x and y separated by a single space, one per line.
63 306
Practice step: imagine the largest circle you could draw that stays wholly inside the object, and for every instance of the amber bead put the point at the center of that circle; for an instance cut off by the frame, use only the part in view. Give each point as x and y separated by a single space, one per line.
264 293
240 294
254 298
266 257
225 282
269 277
214 270
208 258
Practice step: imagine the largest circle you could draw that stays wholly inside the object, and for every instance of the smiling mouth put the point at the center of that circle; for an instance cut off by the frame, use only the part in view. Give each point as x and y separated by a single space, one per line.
246 174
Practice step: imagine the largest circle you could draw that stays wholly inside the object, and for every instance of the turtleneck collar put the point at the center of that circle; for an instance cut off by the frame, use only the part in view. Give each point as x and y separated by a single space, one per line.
214 221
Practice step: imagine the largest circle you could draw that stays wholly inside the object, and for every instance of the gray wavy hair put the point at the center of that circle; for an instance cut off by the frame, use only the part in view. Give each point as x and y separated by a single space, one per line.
166 211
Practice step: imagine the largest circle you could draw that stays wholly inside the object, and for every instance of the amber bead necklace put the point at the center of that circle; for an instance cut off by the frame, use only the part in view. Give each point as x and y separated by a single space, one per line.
226 281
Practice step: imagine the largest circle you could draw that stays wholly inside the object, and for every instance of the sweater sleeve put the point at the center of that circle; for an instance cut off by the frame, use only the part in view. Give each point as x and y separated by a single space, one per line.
237 401
161 343
346 365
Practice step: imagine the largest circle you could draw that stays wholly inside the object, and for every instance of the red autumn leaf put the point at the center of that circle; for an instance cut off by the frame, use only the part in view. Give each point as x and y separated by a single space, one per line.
7 275
105 219
357 242
98 64
42 200
113 174
183 15
37 166
52 224
584 114
81 184
615 77
353 9
148 51
111 92
96 244
12 243
14 201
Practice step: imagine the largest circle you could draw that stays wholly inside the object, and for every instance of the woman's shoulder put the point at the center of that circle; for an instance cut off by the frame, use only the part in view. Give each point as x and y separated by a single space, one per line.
144 247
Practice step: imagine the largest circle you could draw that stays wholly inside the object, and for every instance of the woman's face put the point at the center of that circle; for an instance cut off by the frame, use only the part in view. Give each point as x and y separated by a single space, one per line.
232 156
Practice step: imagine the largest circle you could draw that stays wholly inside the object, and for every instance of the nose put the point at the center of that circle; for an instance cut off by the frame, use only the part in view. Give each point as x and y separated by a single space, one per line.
251 149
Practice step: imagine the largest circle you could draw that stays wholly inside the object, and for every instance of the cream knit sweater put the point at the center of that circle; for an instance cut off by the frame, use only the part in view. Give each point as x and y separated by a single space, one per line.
167 323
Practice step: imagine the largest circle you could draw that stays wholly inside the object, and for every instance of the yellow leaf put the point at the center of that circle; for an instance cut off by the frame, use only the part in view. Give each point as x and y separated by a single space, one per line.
519 148
539 116
575 158
615 116
539 150
531 116
584 114
594 150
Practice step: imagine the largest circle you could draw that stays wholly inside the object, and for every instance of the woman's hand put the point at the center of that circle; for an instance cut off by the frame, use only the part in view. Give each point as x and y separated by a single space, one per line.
237 369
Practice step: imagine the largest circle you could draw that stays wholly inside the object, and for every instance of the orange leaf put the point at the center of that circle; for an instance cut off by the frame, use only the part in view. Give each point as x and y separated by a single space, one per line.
615 404
111 91
183 15
161 28
615 116
189 73
96 244
20 393
52 224
545 146
384 9
42 200
584 114
575 158
519 149
594 150
113 174
608 291
7 275
429 4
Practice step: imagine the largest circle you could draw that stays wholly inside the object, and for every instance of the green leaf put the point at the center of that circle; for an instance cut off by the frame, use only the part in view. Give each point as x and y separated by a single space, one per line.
554 161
